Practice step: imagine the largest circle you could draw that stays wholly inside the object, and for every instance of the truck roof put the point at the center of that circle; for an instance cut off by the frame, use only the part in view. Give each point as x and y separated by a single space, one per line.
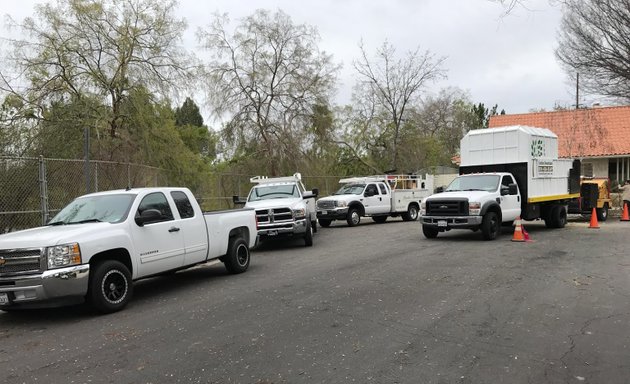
136 191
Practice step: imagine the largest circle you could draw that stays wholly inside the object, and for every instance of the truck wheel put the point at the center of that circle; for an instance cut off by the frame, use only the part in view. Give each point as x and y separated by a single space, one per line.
559 216
379 219
314 225
110 286
490 226
602 213
411 214
353 217
429 232
237 258
308 236
324 222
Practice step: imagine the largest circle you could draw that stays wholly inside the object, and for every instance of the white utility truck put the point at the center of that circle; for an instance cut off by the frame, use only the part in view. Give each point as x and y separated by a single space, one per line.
505 173
96 246
378 197
284 208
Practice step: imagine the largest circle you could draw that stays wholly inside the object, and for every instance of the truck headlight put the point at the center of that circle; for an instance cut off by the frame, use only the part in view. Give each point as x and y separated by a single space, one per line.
474 208
299 213
341 203
63 255
423 208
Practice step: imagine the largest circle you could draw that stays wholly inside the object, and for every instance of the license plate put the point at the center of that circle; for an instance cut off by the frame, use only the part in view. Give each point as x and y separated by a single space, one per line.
272 233
324 212
441 223
4 298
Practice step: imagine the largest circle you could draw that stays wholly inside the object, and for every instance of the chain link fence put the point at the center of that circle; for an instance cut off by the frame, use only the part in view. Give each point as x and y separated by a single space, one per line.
33 190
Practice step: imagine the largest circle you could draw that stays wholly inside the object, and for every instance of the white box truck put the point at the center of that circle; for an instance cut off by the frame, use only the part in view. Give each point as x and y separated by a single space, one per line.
505 173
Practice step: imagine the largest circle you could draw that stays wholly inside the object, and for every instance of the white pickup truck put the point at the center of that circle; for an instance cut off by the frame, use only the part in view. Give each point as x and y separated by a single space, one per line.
284 208
378 197
95 247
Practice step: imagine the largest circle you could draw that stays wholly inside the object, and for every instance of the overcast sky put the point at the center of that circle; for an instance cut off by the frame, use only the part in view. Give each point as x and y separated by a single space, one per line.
498 59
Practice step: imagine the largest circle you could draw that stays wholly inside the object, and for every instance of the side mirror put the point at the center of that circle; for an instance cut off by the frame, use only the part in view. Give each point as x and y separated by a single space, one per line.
513 189
439 189
148 216
315 192
505 190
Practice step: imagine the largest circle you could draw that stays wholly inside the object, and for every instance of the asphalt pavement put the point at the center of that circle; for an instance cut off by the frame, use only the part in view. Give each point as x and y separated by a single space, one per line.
377 303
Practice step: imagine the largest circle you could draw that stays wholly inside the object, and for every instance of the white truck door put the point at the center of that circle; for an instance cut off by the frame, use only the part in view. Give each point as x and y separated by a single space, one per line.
385 204
159 245
510 204
193 229
310 203
373 200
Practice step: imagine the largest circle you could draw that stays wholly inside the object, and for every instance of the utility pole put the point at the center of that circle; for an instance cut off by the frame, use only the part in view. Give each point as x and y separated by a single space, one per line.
577 90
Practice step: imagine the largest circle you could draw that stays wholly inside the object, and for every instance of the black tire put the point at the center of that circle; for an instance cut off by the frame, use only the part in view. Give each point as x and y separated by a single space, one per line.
308 236
430 232
314 225
490 226
110 286
411 214
238 257
602 213
559 216
324 222
353 218
379 219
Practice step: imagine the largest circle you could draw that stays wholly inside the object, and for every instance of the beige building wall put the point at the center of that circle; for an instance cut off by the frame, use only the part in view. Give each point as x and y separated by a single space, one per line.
595 167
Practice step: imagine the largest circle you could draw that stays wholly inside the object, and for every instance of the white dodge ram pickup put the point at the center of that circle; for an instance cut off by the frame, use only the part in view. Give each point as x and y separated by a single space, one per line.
284 208
95 247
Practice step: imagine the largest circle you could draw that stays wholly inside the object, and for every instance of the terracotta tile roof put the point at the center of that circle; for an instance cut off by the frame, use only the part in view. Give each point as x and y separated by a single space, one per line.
593 132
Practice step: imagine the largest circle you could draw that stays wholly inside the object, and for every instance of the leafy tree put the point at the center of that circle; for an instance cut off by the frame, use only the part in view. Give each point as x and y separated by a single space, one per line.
393 84
99 49
482 115
267 76
188 114
594 42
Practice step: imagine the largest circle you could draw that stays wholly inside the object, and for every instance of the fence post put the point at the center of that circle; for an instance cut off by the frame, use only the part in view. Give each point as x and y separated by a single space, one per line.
43 190
86 159
128 175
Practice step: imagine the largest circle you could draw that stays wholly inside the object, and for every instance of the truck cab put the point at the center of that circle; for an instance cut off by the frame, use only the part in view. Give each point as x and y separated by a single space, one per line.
475 201
284 208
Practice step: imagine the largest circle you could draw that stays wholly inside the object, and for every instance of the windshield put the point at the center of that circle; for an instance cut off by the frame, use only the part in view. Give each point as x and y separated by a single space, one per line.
350 189
488 183
106 208
266 192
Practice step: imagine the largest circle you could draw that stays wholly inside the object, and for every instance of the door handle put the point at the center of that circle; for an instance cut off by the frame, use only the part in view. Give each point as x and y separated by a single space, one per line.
173 229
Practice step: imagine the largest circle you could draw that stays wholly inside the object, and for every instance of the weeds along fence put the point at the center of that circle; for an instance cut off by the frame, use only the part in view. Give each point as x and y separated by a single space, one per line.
33 190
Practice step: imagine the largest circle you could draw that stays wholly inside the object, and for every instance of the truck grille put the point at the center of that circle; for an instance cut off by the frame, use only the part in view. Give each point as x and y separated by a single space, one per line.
20 261
447 207
326 204
274 216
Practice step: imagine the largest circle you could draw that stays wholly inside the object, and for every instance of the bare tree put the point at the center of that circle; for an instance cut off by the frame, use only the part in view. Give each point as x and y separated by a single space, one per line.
95 48
594 41
395 83
267 76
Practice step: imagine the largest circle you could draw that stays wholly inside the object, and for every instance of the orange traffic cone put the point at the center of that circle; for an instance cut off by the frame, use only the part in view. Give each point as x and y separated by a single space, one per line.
624 216
594 224
518 230
525 233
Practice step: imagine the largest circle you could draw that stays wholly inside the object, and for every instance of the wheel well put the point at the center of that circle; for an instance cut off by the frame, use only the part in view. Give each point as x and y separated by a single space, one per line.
359 207
240 232
415 204
496 210
118 254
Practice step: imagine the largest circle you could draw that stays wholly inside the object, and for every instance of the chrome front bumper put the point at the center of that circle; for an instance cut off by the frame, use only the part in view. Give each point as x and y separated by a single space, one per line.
296 227
68 284
444 222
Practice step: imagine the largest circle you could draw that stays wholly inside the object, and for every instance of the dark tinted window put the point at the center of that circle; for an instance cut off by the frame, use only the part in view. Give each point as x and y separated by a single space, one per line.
157 201
183 205
371 188
507 180
383 189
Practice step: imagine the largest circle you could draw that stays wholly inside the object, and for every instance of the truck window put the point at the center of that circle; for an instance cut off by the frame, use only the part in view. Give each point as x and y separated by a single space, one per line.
183 205
158 201
507 180
280 191
372 189
383 189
